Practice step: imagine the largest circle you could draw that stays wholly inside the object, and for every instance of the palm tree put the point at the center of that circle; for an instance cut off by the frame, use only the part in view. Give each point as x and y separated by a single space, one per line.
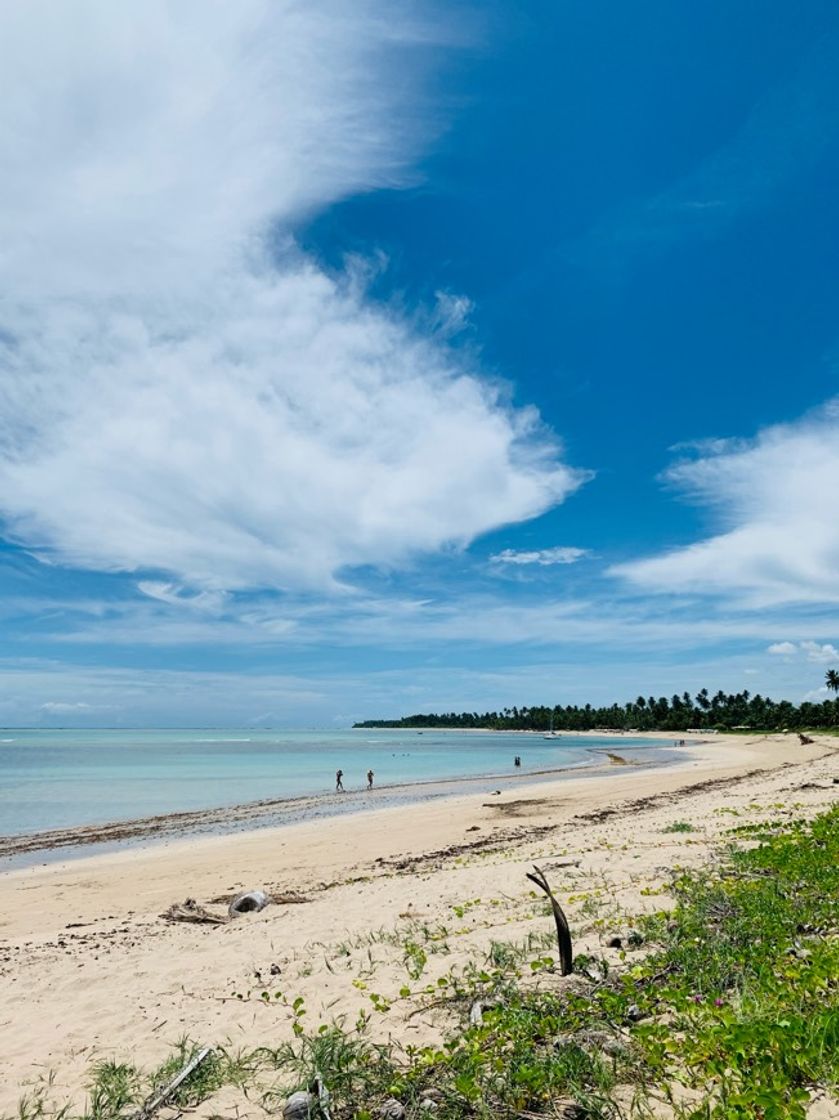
831 679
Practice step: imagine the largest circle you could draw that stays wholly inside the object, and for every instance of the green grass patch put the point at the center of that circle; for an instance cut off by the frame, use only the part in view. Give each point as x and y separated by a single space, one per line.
730 1011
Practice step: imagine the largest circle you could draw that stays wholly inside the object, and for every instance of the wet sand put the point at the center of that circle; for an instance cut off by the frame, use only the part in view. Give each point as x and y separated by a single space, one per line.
28 848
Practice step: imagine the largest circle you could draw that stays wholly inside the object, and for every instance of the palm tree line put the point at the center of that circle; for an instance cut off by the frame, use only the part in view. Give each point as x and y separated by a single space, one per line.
722 711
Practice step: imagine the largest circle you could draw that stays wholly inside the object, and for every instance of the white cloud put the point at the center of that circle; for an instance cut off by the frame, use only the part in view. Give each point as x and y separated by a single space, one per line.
821 653
817 695
286 623
814 651
451 312
778 504
57 707
544 557
182 389
174 595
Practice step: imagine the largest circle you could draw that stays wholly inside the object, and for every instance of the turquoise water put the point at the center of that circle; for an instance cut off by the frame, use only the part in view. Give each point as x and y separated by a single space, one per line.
58 779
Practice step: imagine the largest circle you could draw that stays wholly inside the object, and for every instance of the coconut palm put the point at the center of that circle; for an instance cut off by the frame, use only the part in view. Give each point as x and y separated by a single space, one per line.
831 679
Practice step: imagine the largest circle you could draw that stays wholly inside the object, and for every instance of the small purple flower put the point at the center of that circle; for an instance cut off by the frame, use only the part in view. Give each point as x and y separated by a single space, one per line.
719 1002
697 998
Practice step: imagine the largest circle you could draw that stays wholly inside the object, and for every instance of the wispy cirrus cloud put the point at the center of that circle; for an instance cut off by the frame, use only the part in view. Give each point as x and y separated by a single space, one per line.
776 501
282 625
183 391
541 557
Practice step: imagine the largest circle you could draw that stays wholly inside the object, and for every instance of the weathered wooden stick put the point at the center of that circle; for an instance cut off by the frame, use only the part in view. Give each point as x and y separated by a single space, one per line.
563 933
191 911
151 1106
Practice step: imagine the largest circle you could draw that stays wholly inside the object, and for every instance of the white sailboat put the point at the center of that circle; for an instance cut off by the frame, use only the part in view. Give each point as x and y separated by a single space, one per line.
552 734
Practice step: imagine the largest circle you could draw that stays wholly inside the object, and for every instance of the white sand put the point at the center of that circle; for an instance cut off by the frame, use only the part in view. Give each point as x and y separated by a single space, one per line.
123 983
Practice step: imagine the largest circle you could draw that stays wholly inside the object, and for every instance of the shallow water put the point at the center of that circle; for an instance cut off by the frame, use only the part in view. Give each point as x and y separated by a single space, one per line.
64 778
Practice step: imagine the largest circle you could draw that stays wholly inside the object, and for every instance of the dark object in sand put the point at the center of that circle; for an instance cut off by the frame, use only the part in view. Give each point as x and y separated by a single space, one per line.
290 898
563 933
248 901
300 1105
563 863
308 1103
191 911
154 1103
804 740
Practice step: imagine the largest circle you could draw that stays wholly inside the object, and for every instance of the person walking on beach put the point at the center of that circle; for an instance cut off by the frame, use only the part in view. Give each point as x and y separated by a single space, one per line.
369 779
339 784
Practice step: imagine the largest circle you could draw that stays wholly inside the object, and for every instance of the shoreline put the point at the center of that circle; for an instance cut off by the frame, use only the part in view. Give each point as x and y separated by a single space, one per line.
587 787
23 849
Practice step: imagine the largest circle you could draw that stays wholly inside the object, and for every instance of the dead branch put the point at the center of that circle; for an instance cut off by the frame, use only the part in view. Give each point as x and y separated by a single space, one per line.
191 911
563 933
153 1104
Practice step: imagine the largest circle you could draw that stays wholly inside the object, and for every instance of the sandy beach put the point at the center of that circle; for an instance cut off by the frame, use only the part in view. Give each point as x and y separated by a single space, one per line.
90 970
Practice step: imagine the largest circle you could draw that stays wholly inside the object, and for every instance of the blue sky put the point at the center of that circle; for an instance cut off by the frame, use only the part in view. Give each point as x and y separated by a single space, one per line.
362 362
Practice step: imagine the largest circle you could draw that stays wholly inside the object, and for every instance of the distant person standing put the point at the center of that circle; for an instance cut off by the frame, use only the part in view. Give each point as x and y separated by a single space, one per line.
339 781
370 779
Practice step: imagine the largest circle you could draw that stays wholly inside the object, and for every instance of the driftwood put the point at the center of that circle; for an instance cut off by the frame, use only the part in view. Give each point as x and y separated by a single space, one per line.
191 911
563 933
162 1096
289 899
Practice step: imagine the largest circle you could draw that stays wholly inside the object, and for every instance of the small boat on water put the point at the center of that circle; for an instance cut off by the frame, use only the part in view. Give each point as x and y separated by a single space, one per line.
552 734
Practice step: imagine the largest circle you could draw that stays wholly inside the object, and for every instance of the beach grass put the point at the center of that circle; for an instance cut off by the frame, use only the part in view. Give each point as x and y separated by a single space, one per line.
724 1007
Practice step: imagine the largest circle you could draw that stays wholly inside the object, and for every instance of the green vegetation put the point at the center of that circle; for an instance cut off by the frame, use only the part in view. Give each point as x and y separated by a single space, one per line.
117 1089
721 711
727 1008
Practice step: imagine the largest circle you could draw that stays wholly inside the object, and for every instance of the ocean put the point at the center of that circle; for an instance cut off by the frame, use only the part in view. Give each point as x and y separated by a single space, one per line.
52 779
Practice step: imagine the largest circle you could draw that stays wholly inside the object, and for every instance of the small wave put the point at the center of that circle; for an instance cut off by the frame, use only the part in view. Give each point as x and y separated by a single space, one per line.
222 740
8 740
